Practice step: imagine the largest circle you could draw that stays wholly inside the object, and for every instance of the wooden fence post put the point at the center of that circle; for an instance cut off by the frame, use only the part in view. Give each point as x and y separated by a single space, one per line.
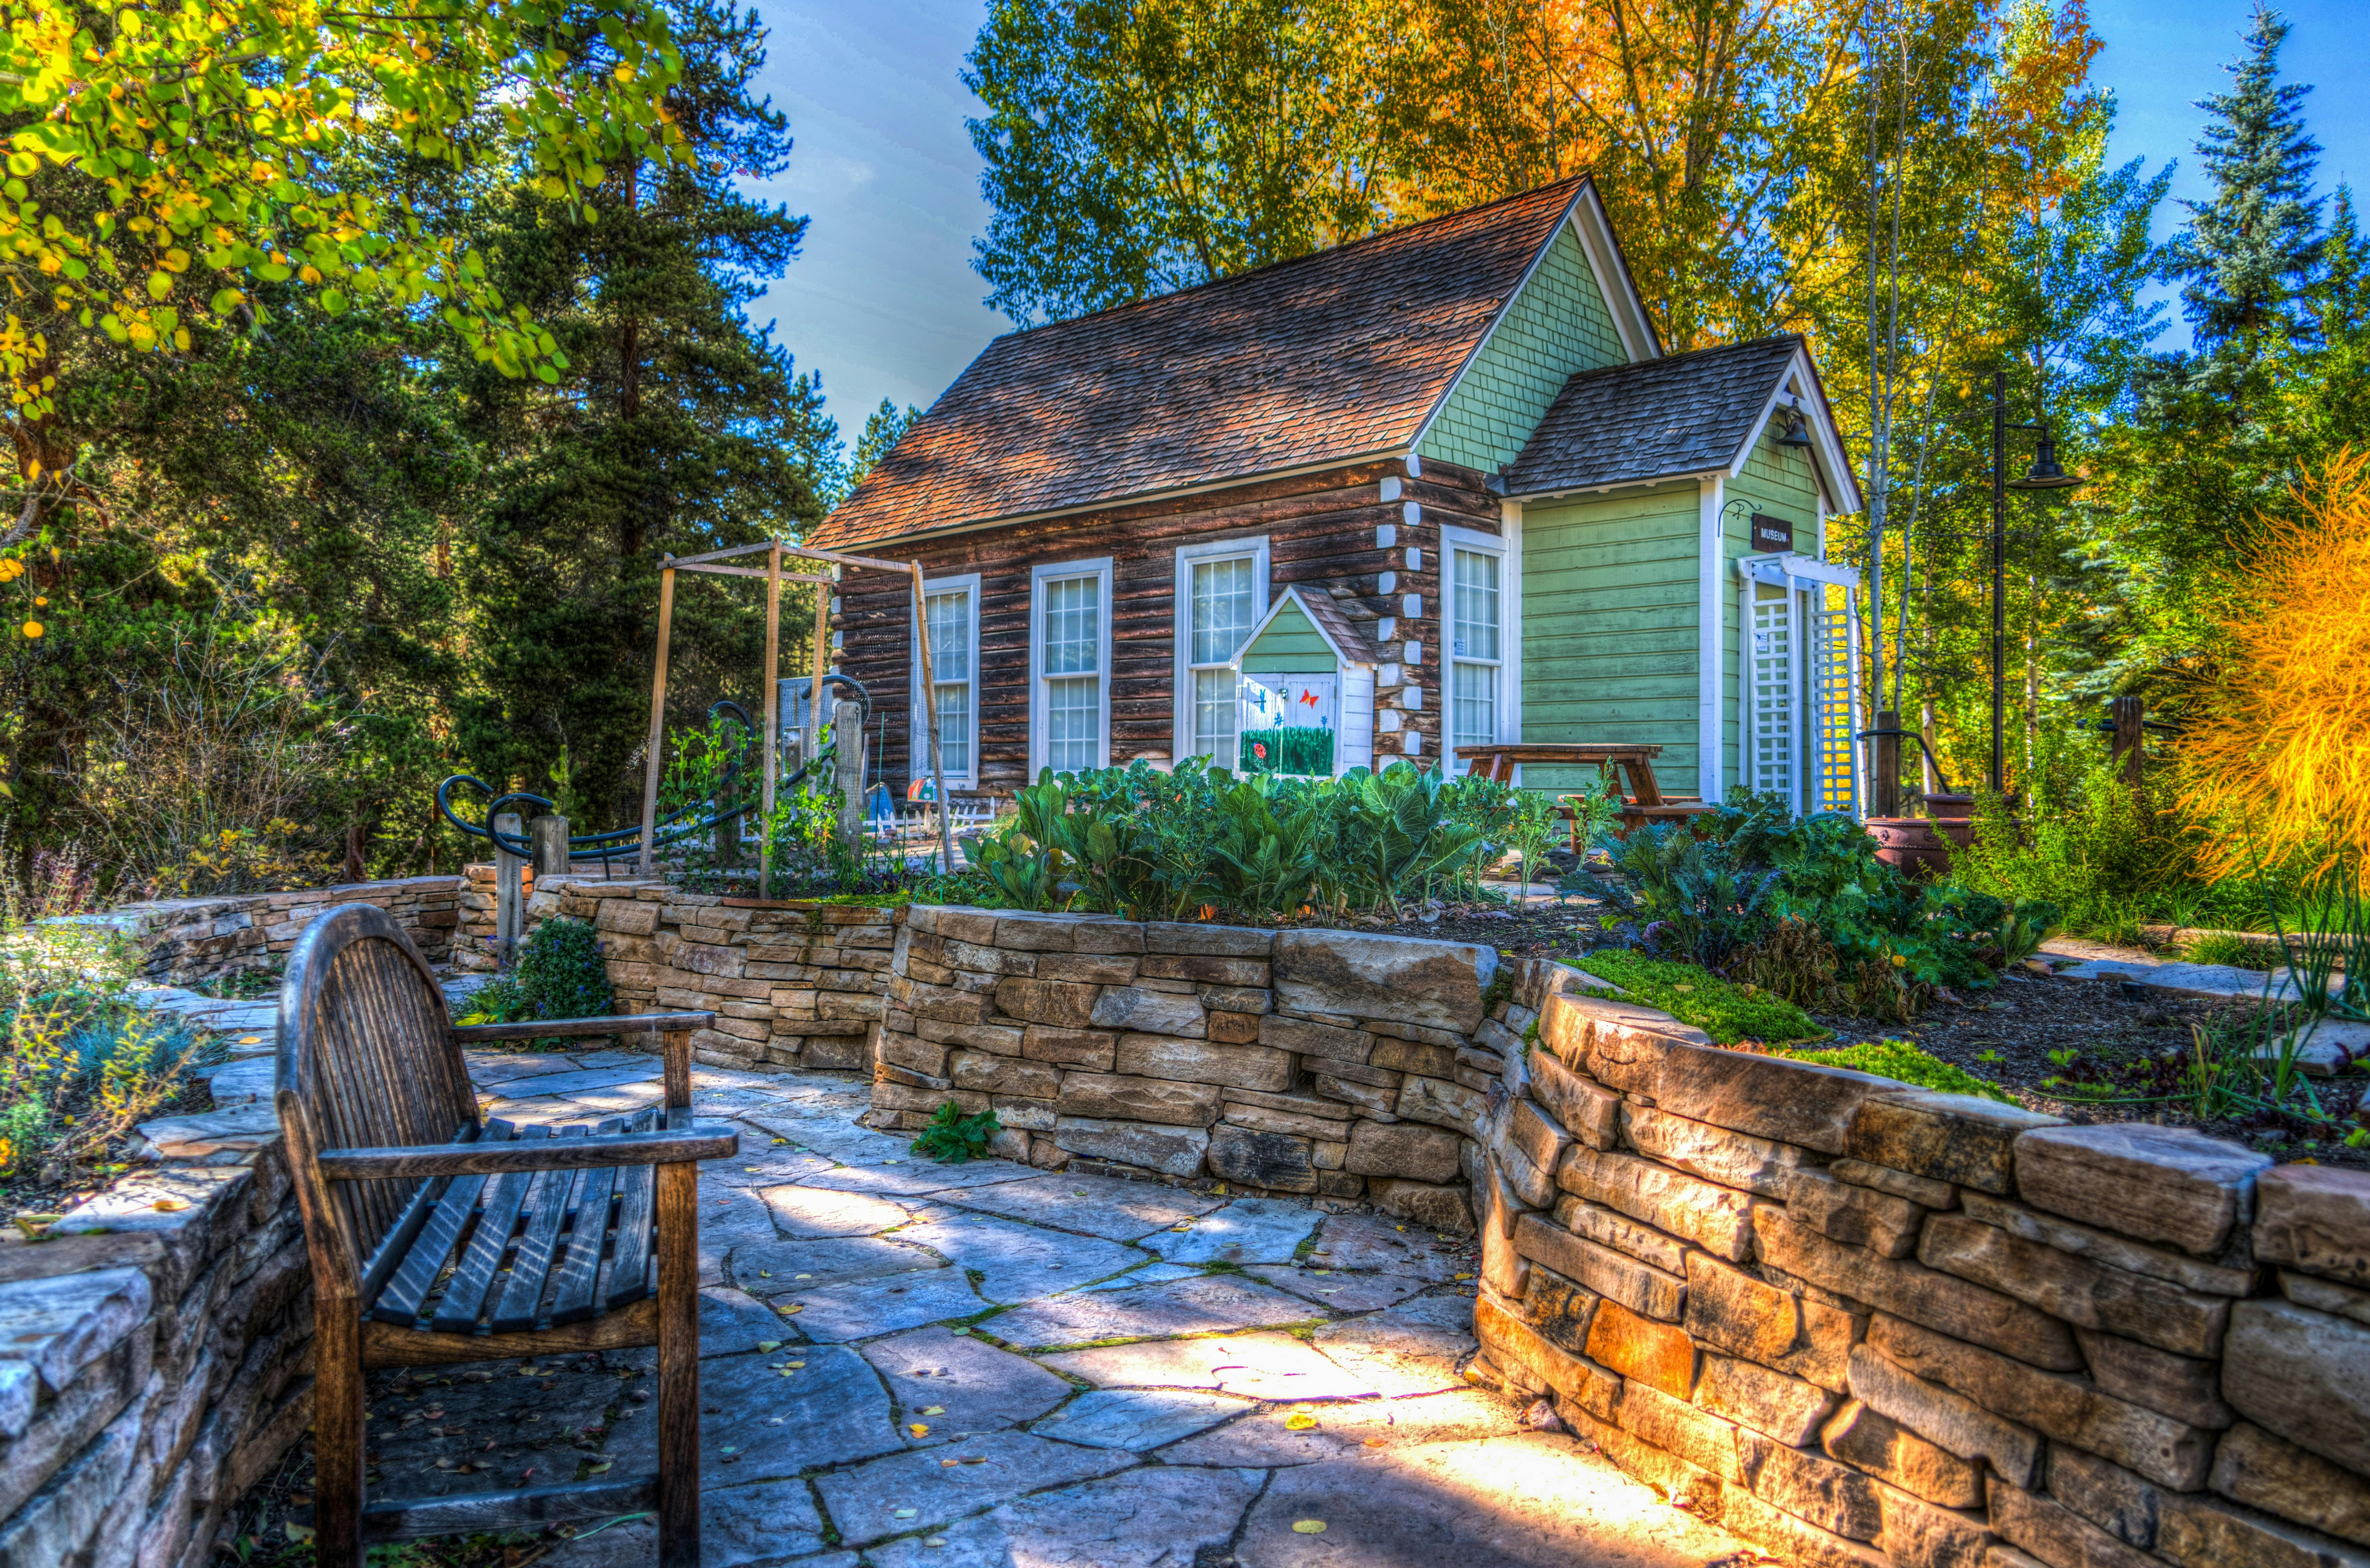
510 903
2130 743
1884 786
657 723
549 835
847 768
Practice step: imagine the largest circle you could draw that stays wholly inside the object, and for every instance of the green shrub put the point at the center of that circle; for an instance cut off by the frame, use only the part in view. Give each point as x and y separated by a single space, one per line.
1729 1014
562 973
952 1138
2228 947
1899 1059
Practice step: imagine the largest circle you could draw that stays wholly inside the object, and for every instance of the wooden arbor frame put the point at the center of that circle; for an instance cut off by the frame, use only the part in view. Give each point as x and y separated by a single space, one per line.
775 550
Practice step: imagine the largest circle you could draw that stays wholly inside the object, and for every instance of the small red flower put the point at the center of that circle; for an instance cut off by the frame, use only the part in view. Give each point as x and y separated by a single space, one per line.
1259 750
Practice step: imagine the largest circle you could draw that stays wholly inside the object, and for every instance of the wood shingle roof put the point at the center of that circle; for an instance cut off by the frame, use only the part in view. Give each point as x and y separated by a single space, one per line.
1661 419
1333 356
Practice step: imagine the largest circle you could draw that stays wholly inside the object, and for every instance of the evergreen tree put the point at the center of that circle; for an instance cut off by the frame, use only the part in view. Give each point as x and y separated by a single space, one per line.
676 429
884 429
2252 248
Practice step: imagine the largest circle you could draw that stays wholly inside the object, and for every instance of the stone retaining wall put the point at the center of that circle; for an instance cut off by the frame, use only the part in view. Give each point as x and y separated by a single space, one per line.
794 983
151 1372
1860 1324
191 941
1321 1062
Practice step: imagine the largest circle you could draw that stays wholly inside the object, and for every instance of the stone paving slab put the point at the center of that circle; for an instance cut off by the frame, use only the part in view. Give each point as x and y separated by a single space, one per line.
958 1385
1248 1231
1205 1304
1138 1418
1531 1501
918 1491
1144 1519
1257 1366
1096 1206
1342 1292
882 1384
885 1306
1262 1441
1015 1263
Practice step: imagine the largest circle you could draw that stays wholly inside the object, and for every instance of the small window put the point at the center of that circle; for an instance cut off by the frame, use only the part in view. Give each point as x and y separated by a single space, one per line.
951 608
1072 700
1474 648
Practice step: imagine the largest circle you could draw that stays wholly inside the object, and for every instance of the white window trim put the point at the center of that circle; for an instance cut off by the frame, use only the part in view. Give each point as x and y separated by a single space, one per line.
1100 567
918 741
1506 546
1181 717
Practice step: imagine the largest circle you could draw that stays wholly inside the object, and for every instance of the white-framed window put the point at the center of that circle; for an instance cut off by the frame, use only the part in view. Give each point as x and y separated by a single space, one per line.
1222 588
951 606
1069 665
1480 627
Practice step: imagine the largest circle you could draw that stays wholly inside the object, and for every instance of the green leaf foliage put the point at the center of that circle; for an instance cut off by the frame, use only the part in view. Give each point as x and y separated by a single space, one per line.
1729 1014
1899 1059
952 1138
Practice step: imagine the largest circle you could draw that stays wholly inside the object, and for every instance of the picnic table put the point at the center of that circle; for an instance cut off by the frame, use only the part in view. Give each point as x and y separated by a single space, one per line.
1642 802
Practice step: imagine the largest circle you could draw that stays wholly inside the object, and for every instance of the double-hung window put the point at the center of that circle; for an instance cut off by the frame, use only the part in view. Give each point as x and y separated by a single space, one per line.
950 607
1477 642
1070 660
1221 594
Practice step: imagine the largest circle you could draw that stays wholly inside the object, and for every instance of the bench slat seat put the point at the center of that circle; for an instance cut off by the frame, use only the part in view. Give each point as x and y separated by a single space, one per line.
437 1237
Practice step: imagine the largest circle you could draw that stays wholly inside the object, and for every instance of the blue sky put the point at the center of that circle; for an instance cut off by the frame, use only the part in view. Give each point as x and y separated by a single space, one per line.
884 303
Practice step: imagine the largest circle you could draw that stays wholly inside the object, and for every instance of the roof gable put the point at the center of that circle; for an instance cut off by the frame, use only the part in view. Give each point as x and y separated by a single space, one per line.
1338 355
1682 415
1296 612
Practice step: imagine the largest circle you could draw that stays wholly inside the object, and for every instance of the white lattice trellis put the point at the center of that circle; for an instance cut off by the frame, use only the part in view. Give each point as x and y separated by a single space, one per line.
1773 717
1834 699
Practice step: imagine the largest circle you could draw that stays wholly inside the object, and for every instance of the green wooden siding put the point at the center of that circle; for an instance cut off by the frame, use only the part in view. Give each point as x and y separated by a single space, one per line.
1559 325
1290 645
1612 595
1779 481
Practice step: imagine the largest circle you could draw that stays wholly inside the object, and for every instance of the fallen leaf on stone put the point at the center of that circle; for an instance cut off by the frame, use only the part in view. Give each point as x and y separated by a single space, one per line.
949 1464
596 1470
769 1344
962 1331
903 1513
1373 1442
933 1541
251 1040
975 1458
1308 1527
781 1140
172 1205
934 1409
919 1429
1298 1422
1187 1226
794 1365
802 1276
297 1534
791 1310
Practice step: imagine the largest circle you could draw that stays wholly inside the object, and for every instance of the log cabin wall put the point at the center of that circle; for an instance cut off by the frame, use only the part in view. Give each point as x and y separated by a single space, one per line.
1322 530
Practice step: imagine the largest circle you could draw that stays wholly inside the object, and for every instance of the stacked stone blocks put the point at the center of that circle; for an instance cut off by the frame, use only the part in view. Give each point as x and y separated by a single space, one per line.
153 1370
191 941
1317 1062
793 983
1861 1325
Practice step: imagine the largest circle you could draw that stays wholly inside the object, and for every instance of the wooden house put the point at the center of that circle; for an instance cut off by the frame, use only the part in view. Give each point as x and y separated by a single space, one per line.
1446 472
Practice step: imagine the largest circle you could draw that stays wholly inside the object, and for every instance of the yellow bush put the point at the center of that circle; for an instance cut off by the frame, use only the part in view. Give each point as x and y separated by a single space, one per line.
2283 751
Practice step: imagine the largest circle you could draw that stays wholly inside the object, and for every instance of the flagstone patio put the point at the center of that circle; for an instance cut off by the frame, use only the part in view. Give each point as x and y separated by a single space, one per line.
908 1364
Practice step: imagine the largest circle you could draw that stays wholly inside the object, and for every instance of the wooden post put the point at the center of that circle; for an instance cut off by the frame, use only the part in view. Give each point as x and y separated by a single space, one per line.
549 836
1884 782
773 718
658 722
930 725
2131 738
821 656
509 894
847 769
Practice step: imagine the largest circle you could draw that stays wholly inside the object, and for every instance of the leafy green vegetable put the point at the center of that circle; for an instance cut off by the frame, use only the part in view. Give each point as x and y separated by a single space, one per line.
952 1138
1727 1012
1899 1059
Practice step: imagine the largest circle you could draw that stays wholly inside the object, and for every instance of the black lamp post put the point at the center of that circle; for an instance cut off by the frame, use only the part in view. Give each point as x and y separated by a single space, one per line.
2046 477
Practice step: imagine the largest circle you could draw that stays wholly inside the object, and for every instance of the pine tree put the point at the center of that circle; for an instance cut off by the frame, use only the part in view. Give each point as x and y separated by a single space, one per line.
678 428
2252 249
884 429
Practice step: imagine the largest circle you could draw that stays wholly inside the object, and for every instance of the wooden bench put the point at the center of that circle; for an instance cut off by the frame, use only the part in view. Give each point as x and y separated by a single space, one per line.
437 1237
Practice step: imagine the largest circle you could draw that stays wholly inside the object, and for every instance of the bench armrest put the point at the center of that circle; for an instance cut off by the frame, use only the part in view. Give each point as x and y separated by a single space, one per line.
638 1023
671 1146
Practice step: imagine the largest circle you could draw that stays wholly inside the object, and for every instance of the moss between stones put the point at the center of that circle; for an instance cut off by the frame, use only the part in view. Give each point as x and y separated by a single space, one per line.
1729 1014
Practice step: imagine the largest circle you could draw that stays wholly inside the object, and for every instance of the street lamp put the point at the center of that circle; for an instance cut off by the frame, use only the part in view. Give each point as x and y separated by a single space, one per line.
2047 478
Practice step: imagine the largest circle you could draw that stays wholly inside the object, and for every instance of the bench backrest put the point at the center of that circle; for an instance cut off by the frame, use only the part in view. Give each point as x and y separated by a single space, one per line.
367 1059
